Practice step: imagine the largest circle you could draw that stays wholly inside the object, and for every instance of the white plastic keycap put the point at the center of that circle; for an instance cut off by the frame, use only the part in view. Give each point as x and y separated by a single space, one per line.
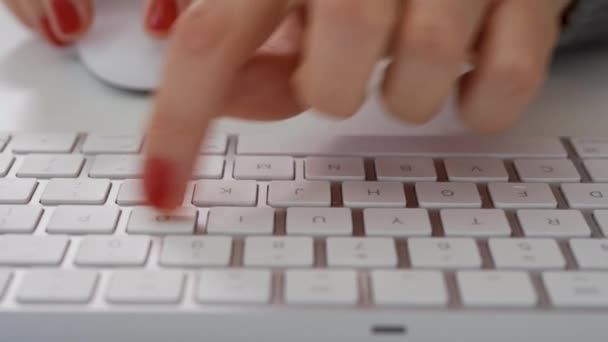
243 221
19 219
51 166
496 289
57 286
409 288
234 286
282 194
322 287
83 220
396 222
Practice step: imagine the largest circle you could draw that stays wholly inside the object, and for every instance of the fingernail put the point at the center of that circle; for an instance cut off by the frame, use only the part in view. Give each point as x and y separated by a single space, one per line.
45 26
157 178
161 15
67 16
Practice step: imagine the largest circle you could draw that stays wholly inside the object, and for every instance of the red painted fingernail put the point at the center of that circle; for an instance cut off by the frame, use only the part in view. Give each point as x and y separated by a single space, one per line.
45 26
67 16
157 178
161 15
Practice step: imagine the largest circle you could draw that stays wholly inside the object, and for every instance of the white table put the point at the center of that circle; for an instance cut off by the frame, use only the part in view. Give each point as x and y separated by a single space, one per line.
42 88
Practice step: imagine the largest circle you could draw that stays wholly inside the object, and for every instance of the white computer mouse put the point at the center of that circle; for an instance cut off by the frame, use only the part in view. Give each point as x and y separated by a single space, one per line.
118 51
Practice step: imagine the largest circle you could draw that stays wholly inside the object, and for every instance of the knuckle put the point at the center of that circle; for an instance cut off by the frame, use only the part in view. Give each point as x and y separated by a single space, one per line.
436 39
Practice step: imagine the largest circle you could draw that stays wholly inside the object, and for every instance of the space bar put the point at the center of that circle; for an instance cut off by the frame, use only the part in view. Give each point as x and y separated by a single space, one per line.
407 146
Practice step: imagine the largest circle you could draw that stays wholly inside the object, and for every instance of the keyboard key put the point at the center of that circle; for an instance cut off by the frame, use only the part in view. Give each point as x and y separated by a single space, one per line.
264 168
591 147
112 144
415 288
597 169
209 193
448 195
19 219
520 253
43 142
553 223
590 253
5 278
476 170
445 253
209 167
547 170
331 287
75 191
17 191
520 195
187 251
51 166
112 251
406 169
361 252
21 250
146 220
131 193
278 251
586 196
373 194
396 222
83 220
117 166
57 286
215 144
234 286
601 217
577 289
404 146
475 222
283 194
6 161
334 169
496 289
246 221
145 287
319 221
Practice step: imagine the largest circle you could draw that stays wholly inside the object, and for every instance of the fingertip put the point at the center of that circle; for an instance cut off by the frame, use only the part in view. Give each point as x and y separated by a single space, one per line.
159 17
312 94
158 176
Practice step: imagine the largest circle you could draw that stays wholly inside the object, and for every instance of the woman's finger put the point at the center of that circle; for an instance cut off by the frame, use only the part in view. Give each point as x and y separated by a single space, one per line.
430 50
68 19
17 9
213 39
262 90
514 54
161 15
344 41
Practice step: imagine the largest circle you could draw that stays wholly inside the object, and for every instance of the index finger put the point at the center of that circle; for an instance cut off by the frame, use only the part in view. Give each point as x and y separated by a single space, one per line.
212 40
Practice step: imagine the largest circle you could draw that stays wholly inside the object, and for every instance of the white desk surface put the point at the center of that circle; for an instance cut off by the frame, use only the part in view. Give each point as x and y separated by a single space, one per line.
42 88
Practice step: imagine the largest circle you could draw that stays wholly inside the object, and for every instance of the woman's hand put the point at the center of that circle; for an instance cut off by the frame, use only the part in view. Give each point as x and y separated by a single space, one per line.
62 22
322 55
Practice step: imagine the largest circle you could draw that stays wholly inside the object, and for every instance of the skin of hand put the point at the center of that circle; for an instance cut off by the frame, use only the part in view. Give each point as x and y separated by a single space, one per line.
271 59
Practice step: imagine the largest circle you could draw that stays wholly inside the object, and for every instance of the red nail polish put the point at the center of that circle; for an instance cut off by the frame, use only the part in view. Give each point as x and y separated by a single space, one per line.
161 15
157 178
67 16
45 26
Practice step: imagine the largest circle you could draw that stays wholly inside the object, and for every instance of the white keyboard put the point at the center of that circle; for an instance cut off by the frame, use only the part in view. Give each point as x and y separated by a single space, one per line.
357 224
